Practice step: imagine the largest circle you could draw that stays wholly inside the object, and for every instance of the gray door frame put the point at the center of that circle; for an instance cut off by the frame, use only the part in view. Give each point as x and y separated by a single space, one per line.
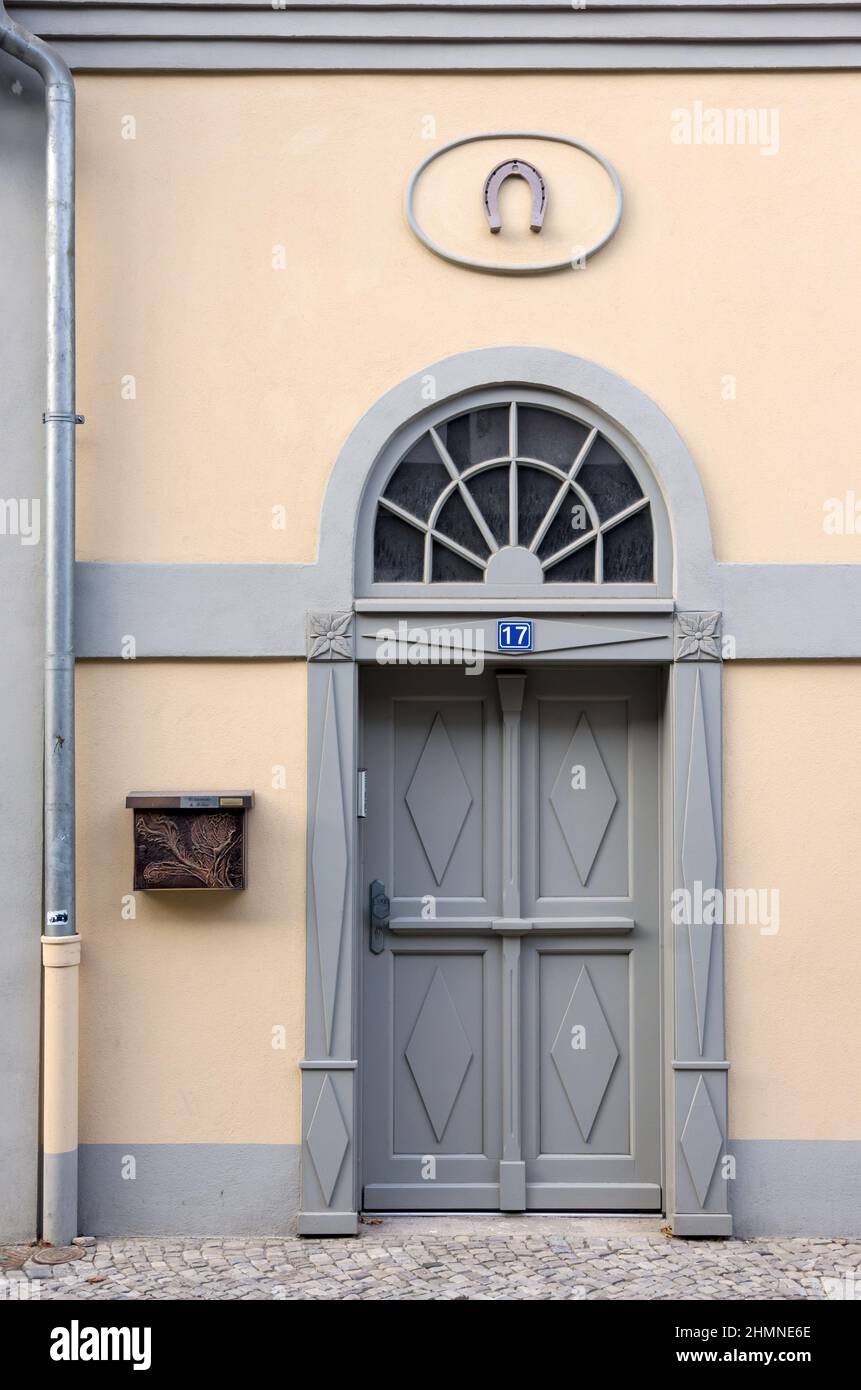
685 642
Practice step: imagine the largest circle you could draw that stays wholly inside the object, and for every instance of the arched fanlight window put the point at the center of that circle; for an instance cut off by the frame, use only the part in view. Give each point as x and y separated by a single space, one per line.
513 493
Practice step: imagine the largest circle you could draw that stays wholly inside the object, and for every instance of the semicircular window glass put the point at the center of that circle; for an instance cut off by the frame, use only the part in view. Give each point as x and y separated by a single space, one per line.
513 492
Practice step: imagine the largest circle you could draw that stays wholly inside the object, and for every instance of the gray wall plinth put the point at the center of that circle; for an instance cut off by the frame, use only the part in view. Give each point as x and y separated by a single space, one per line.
796 1187
189 1189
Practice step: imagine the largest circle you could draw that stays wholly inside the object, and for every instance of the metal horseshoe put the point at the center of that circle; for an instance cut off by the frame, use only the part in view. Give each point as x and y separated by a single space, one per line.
520 169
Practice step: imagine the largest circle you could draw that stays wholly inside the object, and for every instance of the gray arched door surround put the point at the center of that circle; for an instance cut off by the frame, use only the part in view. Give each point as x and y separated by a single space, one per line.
669 622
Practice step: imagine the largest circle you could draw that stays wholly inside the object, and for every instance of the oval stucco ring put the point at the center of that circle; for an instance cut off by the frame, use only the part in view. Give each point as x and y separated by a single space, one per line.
507 267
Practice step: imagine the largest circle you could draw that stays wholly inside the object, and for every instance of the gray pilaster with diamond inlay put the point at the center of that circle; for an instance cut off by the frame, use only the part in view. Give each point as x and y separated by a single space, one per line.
329 1168
697 1181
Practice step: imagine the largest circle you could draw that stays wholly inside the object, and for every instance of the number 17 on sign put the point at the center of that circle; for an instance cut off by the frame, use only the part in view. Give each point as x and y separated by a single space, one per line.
514 635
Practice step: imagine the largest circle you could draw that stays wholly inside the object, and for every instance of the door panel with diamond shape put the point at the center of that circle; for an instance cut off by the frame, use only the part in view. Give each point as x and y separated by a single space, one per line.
431 998
512 1061
583 819
438 1052
590 999
584 1092
438 781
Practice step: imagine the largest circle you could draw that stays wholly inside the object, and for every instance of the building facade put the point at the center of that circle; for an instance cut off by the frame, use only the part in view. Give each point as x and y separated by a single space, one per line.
515 572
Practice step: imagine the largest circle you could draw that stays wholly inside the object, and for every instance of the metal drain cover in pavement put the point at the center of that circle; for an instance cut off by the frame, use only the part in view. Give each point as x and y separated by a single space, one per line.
57 1254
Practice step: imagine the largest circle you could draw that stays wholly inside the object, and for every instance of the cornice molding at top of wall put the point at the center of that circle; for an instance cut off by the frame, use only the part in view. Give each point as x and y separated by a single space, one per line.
447 35
562 5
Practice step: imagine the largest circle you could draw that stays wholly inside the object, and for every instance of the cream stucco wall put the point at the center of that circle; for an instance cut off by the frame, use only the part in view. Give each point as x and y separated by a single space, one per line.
178 1005
793 769
247 378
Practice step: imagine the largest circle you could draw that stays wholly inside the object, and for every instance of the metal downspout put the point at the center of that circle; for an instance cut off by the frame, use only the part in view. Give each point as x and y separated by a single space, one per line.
60 942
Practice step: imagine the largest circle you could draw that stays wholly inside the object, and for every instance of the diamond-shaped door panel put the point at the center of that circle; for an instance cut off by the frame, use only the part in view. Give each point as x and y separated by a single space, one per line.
584 1053
438 1053
583 798
438 798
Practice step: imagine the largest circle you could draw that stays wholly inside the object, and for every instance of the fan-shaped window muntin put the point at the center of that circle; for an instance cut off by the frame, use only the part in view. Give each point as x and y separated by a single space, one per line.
436 522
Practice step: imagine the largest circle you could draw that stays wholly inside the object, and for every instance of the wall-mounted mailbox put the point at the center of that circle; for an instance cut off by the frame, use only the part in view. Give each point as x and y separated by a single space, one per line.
189 839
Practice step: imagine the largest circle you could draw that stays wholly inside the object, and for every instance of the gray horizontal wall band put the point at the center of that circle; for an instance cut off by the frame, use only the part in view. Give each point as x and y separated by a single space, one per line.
147 601
702 1065
774 612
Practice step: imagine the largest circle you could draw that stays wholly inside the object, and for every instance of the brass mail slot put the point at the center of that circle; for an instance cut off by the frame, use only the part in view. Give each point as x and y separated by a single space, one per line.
189 840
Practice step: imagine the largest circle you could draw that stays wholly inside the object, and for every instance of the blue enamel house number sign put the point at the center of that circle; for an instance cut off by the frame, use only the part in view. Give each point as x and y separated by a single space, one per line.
514 635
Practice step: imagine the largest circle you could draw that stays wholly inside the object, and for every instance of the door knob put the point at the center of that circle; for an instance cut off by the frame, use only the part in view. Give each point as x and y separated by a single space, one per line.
380 909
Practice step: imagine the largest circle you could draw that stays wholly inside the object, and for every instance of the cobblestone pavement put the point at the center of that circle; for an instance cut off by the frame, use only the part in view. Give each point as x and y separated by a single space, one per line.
451 1257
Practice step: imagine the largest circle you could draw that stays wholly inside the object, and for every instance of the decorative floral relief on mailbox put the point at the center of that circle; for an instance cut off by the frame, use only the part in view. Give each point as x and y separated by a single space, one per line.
189 841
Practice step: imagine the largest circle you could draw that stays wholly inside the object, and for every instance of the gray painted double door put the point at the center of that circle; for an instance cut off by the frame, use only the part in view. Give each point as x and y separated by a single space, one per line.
510 1015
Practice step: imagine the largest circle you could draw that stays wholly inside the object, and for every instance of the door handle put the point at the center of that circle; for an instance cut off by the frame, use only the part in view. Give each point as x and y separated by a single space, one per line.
380 910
